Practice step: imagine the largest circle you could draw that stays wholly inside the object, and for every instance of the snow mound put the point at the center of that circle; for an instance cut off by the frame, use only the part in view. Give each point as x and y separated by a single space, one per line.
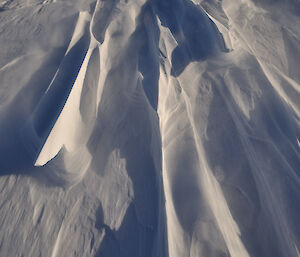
150 128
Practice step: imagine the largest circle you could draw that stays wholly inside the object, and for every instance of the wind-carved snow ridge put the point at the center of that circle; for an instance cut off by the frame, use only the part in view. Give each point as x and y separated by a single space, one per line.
150 128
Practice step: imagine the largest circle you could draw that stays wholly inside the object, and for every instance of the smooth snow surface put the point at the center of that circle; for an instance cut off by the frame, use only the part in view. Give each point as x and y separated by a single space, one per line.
150 128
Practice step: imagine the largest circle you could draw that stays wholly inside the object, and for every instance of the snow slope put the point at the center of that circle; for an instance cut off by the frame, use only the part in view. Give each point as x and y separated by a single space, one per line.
160 128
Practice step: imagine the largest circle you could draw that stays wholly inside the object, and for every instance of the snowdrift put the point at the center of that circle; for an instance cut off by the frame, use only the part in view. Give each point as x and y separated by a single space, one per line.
136 128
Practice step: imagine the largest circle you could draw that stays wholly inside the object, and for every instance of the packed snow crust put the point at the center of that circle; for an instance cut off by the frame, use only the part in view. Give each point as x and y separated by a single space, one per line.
150 128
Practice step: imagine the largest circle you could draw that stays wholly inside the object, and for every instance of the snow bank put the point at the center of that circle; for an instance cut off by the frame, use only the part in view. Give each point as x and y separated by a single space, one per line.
149 128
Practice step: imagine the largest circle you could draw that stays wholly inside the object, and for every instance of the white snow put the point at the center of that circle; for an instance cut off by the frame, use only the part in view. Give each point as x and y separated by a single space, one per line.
150 128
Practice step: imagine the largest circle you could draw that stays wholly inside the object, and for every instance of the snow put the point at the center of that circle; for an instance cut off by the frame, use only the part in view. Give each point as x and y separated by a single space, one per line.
150 128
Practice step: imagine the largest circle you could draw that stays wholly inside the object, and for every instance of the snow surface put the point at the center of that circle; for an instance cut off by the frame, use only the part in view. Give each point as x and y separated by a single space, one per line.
150 128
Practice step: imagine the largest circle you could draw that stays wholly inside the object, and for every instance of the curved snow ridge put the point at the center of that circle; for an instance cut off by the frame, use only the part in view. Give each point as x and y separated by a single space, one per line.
43 136
61 114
